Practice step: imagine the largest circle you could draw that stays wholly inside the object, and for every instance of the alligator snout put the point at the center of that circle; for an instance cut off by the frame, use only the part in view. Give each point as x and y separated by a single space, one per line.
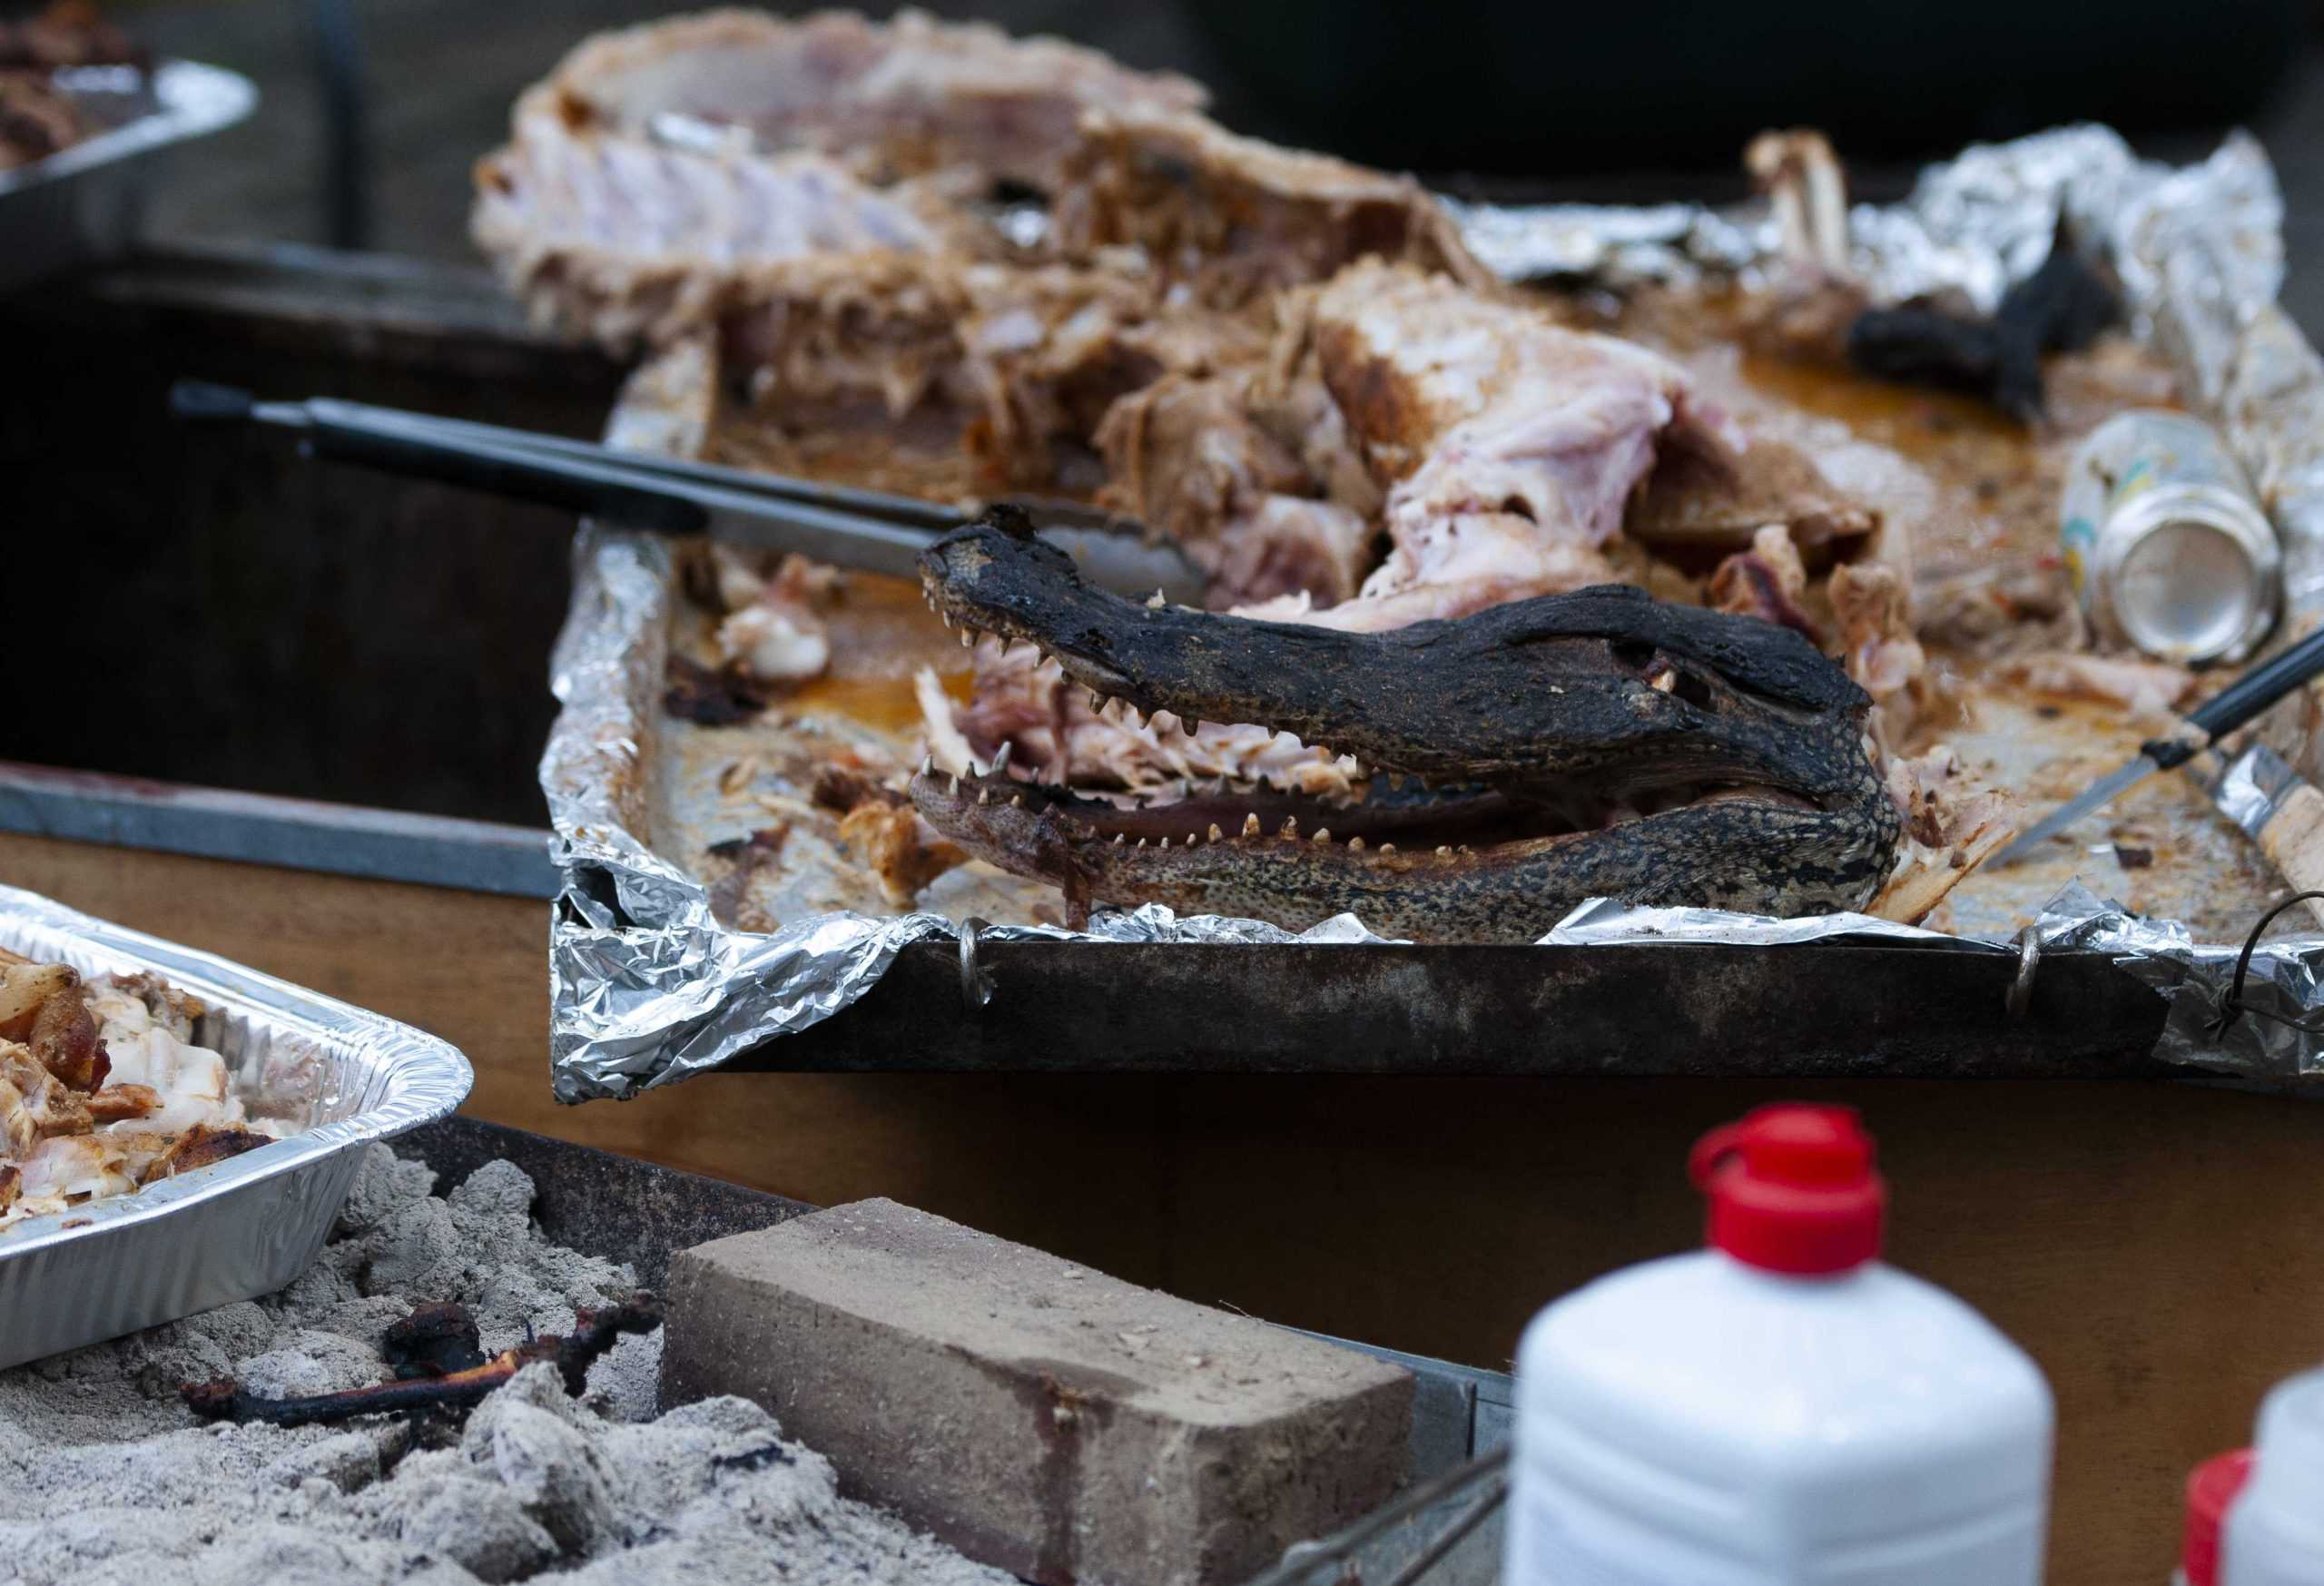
1599 744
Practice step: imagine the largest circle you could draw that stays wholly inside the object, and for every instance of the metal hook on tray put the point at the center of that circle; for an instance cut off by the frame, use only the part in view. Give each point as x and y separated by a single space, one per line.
976 986
2029 962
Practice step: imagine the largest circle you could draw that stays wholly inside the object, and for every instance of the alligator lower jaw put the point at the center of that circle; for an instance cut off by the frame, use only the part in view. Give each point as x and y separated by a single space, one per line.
1475 876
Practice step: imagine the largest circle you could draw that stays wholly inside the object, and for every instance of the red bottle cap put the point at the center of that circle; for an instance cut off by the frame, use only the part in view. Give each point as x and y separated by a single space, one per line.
2209 1489
1792 1189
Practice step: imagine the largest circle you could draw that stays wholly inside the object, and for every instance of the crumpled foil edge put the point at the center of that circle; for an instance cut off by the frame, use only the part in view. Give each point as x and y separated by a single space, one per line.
647 988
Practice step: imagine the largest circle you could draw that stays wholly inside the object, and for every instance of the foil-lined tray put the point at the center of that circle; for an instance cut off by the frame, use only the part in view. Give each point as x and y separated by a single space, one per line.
82 204
650 988
243 1227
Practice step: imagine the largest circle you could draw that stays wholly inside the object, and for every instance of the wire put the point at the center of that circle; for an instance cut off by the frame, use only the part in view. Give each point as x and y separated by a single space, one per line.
2235 1004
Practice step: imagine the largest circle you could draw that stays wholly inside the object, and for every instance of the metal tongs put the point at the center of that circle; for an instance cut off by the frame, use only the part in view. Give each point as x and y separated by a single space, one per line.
868 530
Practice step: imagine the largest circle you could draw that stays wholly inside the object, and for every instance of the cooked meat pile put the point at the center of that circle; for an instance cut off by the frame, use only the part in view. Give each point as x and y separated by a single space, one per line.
927 255
39 114
102 1089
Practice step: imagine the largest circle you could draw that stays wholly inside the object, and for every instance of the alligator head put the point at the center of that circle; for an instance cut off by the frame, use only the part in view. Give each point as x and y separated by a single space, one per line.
1600 743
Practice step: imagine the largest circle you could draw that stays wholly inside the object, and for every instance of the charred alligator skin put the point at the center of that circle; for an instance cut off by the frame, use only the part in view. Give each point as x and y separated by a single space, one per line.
1547 706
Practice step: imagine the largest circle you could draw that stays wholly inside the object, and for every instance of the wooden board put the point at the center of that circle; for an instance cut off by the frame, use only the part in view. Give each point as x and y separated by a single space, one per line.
2149 1243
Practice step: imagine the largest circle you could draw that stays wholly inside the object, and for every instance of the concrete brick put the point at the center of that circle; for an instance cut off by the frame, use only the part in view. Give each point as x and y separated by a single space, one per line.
1049 1420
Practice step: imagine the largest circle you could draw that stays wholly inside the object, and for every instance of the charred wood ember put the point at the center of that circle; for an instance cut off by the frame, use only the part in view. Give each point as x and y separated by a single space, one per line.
2060 308
436 1340
434 1336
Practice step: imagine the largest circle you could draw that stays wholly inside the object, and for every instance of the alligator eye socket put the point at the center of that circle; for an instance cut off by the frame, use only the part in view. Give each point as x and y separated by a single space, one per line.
1633 652
1693 690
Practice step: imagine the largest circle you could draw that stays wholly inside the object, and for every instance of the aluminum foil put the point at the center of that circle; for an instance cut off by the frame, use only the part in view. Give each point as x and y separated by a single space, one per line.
649 989
2205 1028
244 1226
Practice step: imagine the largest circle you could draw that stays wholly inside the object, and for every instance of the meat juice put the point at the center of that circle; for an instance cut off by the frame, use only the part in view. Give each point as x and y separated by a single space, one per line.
1781 1408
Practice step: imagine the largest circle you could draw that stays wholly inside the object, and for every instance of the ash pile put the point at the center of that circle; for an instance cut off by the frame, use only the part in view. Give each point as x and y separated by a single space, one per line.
108 1475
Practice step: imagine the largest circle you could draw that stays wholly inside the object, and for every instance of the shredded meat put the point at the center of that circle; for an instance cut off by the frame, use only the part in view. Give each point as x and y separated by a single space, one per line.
777 636
1951 827
1707 492
2003 610
1507 445
1187 456
1233 218
1874 609
2141 687
153 1102
1055 736
1767 582
69 33
65 1038
884 834
662 172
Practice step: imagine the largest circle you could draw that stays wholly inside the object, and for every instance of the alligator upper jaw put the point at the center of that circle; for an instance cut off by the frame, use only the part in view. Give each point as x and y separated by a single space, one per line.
1603 698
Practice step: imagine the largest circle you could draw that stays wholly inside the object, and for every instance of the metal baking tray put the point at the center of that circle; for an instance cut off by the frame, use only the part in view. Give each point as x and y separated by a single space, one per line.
83 203
652 982
240 1227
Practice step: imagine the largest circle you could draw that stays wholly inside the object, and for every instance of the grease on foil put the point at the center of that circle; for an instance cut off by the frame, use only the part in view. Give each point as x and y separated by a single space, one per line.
648 989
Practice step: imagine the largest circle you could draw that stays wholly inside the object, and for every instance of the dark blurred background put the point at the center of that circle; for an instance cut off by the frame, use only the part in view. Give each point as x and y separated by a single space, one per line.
1612 100
294 628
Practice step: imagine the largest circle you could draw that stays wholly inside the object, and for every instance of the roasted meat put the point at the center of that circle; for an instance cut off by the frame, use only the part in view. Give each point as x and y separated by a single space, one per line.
1190 457
663 174
1232 219
1506 445
102 1088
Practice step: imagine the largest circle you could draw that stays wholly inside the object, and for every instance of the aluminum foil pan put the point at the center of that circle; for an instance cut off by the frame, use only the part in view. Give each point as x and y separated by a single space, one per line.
649 989
244 1226
83 203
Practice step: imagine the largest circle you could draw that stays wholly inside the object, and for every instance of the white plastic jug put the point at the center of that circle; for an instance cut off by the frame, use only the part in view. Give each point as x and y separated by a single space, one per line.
2275 1527
1781 1409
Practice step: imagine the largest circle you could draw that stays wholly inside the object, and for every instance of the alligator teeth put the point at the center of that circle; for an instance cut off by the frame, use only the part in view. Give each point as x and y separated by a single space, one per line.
1155 601
1216 834
1251 825
1444 852
966 641
1016 801
1322 834
927 764
956 787
1665 680
946 615
984 795
1165 842
1355 844
1386 849
1141 843
1000 755
1291 825
1121 837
